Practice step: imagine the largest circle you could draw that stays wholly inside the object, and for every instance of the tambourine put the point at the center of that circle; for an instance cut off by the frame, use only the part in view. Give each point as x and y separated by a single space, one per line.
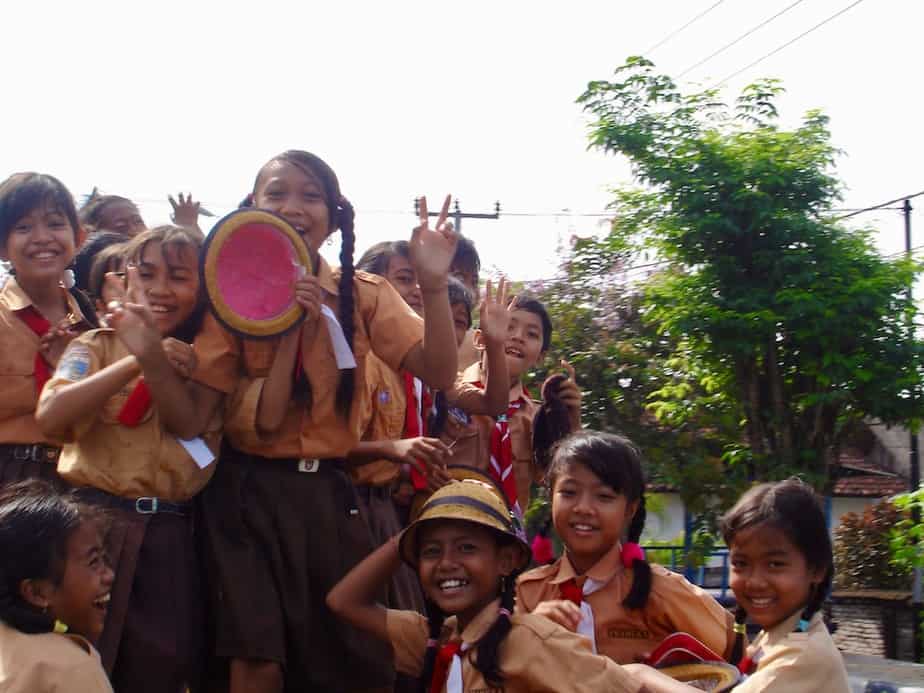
706 676
249 265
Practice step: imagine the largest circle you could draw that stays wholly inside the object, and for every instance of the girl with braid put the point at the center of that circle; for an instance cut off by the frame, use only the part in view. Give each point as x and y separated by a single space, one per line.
781 571
465 549
602 586
281 521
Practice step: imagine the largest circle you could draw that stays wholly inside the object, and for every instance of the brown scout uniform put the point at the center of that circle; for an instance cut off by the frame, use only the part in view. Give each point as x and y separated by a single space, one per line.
789 661
281 516
24 450
537 655
153 641
48 663
474 447
674 605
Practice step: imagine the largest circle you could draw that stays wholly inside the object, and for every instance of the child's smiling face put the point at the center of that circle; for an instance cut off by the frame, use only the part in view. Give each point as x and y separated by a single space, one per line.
524 342
461 565
169 277
298 197
769 575
81 599
40 245
589 516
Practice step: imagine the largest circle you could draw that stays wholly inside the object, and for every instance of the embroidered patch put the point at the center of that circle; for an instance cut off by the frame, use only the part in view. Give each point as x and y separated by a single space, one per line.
384 397
75 364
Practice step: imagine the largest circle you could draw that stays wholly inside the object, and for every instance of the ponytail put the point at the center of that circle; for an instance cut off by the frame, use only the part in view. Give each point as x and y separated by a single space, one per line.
551 423
345 218
737 653
85 305
632 554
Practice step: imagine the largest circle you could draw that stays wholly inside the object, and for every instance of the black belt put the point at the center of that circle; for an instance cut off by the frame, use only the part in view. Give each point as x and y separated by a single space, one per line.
36 452
146 505
305 465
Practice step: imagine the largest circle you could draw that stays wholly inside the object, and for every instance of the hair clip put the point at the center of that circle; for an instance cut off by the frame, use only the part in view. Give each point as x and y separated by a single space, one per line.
803 625
60 627
505 612
631 552
432 643
740 628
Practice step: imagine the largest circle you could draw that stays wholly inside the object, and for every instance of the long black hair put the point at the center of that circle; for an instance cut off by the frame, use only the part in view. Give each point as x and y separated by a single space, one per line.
36 523
342 216
618 464
792 507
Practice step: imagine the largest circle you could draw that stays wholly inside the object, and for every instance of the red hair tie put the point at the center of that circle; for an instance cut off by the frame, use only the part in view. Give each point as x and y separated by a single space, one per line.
631 552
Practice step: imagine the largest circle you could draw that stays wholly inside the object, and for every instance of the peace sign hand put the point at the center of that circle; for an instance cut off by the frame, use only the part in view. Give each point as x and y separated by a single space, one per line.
432 250
133 320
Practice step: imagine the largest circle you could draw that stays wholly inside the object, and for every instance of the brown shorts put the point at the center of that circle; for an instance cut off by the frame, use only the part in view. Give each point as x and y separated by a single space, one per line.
152 639
277 541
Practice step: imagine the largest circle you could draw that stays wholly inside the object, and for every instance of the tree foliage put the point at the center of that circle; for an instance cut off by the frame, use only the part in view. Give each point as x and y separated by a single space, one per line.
776 326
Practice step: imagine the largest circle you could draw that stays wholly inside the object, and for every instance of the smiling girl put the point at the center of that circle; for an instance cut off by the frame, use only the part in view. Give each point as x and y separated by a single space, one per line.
39 233
467 554
107 402
54 590
602 586
781 571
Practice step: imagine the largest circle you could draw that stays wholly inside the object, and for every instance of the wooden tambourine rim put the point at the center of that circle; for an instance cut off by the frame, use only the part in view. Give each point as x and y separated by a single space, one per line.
208 274
694 670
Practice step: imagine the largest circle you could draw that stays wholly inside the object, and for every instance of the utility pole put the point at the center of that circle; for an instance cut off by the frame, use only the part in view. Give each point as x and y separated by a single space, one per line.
915 474
458 215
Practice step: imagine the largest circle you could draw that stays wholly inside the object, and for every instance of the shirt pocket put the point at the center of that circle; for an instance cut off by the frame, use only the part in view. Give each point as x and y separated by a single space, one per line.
17 382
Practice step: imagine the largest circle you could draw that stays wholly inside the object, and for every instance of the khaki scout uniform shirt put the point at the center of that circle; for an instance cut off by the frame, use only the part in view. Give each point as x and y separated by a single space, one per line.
674 605
18 347
537 655
789 661
474 447
384 420
49 662
384 324
127 461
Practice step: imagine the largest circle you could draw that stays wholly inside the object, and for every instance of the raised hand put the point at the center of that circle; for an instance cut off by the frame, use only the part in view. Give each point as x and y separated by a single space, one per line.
308 295
432 250
132 319
494 317
427 455
561 611
185 210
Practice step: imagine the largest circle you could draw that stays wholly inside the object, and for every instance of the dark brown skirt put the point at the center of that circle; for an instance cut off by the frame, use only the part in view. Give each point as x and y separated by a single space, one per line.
13 470
277 541
152 639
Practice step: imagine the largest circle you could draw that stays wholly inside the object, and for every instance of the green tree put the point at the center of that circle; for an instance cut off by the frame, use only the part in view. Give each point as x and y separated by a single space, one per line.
792 326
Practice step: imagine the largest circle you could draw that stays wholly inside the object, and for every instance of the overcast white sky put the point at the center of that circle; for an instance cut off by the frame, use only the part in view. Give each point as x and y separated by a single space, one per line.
404 98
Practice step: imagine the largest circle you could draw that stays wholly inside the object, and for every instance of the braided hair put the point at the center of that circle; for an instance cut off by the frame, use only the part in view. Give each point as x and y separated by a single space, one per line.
341 216
487 656
36 523
791 507
618 464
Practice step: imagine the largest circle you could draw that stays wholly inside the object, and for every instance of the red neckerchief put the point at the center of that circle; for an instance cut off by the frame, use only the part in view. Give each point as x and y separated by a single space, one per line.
571 591
37 322
415 420
441 665
502 449
136 406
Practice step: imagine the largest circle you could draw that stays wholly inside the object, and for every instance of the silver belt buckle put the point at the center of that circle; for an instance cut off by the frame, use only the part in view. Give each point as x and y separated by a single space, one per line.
146 505
308 465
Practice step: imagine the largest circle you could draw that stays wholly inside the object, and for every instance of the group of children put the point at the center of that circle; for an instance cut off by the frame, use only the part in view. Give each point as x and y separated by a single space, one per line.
210 512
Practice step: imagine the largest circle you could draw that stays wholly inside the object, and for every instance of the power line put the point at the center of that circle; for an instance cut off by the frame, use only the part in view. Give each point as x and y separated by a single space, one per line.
880 206
787 44
739 39
674 33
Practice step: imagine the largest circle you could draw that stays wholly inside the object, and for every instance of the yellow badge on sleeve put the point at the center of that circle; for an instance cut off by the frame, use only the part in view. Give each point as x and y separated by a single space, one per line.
74 364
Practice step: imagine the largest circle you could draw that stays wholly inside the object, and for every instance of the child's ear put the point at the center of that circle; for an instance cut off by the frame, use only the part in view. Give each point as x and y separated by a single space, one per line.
631 509
507 559
80 236
36 592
